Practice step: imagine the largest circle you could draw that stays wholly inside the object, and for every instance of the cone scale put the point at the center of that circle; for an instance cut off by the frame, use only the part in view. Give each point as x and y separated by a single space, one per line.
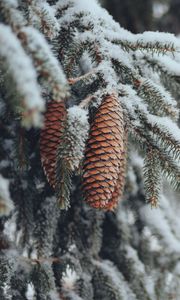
103 169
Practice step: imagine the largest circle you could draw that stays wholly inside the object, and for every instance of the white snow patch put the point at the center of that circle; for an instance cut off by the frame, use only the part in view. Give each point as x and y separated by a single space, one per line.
24 75
6 204
69 278
30 294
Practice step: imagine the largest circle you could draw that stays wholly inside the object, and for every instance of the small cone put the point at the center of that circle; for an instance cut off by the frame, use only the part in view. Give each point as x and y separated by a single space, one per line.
104 154
51 137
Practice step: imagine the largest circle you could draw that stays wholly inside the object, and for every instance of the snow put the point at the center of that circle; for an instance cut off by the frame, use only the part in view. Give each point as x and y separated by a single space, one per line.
168 64
78 129
24 75
10 228
156 219
162 224
118 280
167 126
4 163
171 212
131 101
13 3
69 278
94 14
40 51
6 204
40 12
153 240
30 292
132 184
131 254
159 37
12 13
164 94
77 113
53 295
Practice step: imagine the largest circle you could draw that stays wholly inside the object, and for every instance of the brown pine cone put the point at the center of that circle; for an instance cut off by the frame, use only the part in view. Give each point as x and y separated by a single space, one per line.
104 154
51 137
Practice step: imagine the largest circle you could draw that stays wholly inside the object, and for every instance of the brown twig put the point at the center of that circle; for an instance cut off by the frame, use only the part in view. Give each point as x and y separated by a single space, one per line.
74 80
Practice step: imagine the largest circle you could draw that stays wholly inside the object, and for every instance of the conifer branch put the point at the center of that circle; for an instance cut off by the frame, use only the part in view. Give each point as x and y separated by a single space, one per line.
118 83
152 47
168 165
160 130
152 177
21 150
47 66
70 152
63 182
23 74
159 101
42 16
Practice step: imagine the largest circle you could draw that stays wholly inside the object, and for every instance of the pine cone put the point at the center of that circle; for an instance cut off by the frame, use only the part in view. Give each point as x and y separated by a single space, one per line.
51 137
104 155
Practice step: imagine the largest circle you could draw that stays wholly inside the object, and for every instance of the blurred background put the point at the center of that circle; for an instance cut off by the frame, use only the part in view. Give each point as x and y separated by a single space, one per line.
140 15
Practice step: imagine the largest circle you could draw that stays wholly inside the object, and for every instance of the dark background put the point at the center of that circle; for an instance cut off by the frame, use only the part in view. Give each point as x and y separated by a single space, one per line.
140 15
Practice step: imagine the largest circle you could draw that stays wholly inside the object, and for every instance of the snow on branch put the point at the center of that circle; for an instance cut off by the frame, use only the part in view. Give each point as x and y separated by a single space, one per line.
71 151
160 101
6 204
42 17
166 131
11 15
23 74
47 66
102 25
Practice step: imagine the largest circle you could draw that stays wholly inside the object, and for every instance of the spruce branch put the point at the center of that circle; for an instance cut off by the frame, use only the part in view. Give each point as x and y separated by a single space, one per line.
152 177
101 60
64 183
42 16
47 66
170 77
44 232
148 134
169 166
159 100
21 146
44 282
164 131
23 75
143 42
104 285
154 47
109 283
70 152
99 51
72 57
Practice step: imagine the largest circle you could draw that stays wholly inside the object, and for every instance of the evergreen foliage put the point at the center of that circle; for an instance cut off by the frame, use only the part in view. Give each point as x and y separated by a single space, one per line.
72 54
